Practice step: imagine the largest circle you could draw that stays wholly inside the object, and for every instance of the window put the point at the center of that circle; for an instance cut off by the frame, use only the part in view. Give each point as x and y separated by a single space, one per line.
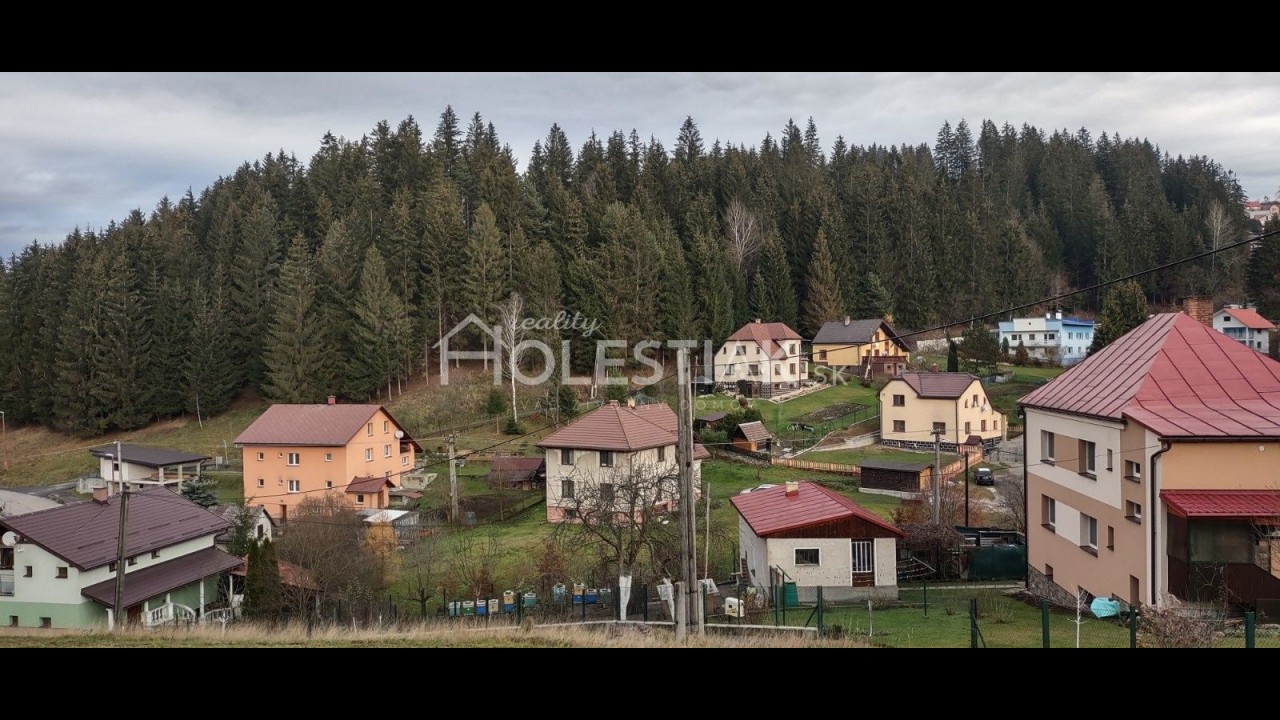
1032 337
740 350
1089 533
404 459
1132 511
328 457
26 571
966 427
386 426
864 556
133 561
369 430
995 424
570 514
791 350
386 451
808 556
13 621
260 457
111 567
899 400
46 622
6 558
939 427
1046 446
566 488
1048 511
606 458
1048 572
258 530
974 402
1132 470
359 498
1109 459
155 554
294 460
328 484
984 426
295 486
899 426
368 454
566 456
728 369
1088 458
62 572
1111 538
606 494
662 454
777 369
753 369
1049 336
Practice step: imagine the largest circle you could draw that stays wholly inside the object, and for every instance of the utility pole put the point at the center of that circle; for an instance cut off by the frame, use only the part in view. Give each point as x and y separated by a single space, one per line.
937 475
453 478
688 505
117 608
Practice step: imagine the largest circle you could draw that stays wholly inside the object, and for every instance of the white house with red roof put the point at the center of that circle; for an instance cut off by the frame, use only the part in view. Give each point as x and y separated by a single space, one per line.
812 536
1245 325
618 458
1153 471
768 357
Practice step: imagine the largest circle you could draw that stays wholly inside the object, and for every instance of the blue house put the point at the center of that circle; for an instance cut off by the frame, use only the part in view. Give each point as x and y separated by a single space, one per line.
1051 338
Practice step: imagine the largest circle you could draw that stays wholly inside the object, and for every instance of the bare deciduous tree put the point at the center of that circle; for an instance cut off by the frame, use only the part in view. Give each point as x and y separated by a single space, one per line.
1010 504
326 539
511 332
421 567
742 231
471 564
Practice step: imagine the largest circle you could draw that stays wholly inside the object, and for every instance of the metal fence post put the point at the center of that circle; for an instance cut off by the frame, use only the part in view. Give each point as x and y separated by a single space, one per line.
822 630
1250 627
645 590
926 597
973 622
1133 628
1044 623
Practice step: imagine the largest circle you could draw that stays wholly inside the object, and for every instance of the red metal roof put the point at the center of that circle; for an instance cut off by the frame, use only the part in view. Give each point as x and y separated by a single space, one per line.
772 512
767 335
1250 318
949 385
617 427
368 484
1223 503
86 534
314 425
1176 376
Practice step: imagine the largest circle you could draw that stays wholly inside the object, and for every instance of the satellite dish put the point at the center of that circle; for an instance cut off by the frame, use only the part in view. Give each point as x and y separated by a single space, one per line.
399 434
10 538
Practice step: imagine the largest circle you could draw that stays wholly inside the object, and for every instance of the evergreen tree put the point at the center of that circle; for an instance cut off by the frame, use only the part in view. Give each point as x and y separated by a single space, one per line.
1021 356
1263 276
242 539
208 370
120 353
484 280
823 301
980 349
380 330
496 404
253 276
263 594
202 491
871 298
1124 307
297 356
953 356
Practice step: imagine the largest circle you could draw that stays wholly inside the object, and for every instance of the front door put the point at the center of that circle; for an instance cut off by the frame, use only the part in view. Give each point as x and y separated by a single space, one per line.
134 614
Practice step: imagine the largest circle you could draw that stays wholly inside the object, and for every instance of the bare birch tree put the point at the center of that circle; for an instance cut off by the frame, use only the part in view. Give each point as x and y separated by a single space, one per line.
742 231
511 332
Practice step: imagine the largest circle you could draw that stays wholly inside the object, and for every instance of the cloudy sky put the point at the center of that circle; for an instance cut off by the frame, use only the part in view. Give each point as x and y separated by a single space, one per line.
80 150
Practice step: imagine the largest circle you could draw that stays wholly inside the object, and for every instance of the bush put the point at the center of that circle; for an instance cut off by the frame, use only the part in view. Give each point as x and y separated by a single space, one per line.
513 427
496 404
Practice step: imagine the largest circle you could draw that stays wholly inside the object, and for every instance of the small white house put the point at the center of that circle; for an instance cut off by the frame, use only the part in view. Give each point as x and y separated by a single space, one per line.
1244 325
810 536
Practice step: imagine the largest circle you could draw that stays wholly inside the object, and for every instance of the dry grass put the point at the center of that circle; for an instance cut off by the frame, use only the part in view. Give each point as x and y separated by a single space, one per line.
427 635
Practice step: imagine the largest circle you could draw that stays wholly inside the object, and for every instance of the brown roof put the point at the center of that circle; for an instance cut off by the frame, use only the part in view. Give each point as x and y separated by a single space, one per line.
86 533
754 431
315 425
229 512
772 512
368 484
1250 318
856 332
148 456
767 336
938 385
700 452
161 578
290 574
619 428
1177 377
515 469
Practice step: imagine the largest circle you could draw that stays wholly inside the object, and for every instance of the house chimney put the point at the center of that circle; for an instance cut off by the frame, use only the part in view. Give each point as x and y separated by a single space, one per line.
793 488
1048 316
333 400
1200 308
757 320
613 403
100 494
1058 314
933 367
631 402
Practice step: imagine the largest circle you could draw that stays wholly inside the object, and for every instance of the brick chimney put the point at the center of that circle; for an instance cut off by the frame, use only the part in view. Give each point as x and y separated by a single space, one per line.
100 494
333 400
933 367
631 401
846 320
793 488
1200 308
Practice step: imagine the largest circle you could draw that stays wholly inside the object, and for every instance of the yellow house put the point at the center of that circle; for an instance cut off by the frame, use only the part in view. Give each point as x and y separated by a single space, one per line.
292 452
915 404
1151 471
870 346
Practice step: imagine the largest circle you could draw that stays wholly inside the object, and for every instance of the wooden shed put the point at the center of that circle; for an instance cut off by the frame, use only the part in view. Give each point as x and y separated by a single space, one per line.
752 436
891 476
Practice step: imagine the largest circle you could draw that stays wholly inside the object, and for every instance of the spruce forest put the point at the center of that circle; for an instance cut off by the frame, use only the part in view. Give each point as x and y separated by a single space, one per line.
300 279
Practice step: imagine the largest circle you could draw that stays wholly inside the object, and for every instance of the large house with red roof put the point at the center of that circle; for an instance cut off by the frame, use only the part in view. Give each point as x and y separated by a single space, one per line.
615 460
293 452
1153 471
1244 325
762 360
812 536
58 566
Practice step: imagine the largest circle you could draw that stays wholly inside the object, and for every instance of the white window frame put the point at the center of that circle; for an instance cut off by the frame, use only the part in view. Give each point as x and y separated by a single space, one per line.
608 458
570 486
1089 532
295 486
862 557
386 451
368 454
1089 458
1050 518
1133 511
566 456
293 459
328 457
1047 446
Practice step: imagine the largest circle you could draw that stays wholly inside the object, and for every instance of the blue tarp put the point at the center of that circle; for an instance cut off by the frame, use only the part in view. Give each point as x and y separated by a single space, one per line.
1104 607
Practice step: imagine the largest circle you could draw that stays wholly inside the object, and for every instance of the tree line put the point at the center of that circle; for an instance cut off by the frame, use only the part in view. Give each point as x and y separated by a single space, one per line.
336 276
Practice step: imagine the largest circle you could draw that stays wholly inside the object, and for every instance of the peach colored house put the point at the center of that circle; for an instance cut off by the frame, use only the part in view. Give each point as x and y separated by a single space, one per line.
1153 471
292 452
915 404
